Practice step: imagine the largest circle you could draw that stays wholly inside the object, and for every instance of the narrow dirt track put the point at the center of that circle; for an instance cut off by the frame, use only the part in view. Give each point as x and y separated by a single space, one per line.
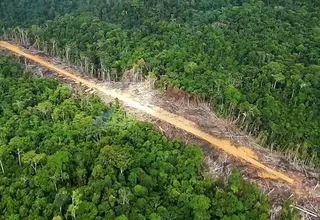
175 120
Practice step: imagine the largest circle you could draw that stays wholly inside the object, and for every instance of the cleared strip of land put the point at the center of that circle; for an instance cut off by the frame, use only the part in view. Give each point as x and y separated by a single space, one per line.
161 114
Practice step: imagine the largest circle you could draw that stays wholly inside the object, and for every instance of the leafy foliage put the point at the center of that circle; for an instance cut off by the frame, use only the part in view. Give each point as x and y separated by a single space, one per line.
287 212
76 164
23 12
255 61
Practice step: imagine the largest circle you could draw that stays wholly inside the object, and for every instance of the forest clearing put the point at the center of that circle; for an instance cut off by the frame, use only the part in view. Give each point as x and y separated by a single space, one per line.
296 181
159 110
159 113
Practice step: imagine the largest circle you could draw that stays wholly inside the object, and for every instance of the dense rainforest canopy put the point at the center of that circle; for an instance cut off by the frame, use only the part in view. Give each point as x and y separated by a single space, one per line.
257 62
63 156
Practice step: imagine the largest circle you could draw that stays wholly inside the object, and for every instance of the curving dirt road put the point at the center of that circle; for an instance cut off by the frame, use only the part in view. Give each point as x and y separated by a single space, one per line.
175 120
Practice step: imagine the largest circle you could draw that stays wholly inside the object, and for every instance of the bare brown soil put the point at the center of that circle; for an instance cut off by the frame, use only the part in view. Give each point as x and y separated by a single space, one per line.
298 183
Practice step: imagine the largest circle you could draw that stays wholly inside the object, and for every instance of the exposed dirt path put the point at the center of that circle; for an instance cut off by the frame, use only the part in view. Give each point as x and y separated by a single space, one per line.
157 112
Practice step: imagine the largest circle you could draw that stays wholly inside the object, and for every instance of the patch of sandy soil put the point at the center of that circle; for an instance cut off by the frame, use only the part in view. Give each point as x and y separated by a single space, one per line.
223 145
